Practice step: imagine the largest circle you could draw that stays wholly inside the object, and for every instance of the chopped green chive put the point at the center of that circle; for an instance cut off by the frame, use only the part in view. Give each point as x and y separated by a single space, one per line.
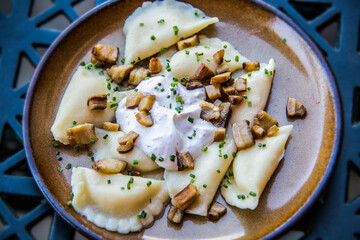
60 158
122 188
225 156
123 60
88 67
153 157
218 171
92 141
73 124
105 136
172 157
249 74
283 40
96 65
82 63
249 104
142 215
108 181
196 13
225 186
227 60
69 203
236 58
252 194
60 169
192 175
187 52
114 105
153 37
141 24
222 143
161 21
90 154
161 159
101 73
248 88
204 185
133 62
204 149
148 183
241 196
109 86
136 162
198 56
162 49
58 153
68 166
231 174
192 181
55 143
135 90
220 154
176 30
225 46
234 154
77 148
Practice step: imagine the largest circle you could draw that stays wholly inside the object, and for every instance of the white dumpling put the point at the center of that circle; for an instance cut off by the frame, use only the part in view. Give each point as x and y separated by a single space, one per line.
252 169
209 170
106 148
111 205
73 107
185 65
260 86
144 23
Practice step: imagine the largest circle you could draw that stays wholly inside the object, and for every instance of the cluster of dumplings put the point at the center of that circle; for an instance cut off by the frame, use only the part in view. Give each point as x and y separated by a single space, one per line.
126 203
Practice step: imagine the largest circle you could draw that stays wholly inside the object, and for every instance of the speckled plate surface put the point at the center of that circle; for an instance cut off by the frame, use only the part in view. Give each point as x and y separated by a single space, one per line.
256 30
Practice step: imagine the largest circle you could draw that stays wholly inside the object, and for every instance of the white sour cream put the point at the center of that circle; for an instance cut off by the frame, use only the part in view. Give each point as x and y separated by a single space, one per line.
172 131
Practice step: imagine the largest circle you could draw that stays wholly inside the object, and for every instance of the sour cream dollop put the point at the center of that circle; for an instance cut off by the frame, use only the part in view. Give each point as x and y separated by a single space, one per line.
177 124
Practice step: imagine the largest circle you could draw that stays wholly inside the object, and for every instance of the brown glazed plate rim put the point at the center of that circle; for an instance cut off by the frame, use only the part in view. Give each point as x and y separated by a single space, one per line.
266 7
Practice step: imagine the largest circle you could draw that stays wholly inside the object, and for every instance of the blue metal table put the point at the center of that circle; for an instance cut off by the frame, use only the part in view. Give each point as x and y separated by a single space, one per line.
28 27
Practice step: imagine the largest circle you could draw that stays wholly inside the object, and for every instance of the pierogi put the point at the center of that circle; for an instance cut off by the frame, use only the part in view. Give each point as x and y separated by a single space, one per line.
170 122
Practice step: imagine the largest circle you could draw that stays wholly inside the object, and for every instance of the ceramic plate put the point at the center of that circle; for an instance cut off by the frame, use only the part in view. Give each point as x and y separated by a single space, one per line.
256 30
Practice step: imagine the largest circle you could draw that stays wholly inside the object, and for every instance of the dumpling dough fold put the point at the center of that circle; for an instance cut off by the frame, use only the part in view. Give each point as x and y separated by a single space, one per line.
144 23
252 169
260 86
185 65
106 148
84 84
209 170
105 199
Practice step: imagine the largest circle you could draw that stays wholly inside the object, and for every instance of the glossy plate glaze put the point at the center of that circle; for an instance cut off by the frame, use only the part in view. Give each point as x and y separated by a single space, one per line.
256 30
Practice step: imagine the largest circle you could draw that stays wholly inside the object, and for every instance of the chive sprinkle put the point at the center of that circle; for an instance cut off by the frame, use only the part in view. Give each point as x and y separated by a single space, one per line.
192 181
69 203
161 159
82 63
153 157
204 185
218 171
136 162
105 136
153 37
148 183
108 181
249 74
225 156
234 154
92 141
176 30
68 166
283 40
191 119
204 149
192 175
236 58
60 169
231 173
241 196
172 157
123 60
187 52
141 24
252 194
249 104
161 21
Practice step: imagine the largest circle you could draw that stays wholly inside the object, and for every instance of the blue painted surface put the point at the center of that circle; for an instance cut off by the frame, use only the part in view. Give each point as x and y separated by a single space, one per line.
330 218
